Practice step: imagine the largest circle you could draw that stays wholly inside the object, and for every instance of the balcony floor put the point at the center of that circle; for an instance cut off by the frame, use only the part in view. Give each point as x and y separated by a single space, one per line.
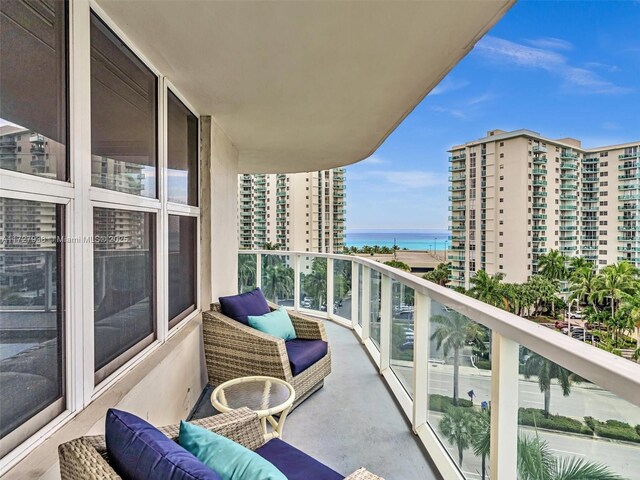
353 421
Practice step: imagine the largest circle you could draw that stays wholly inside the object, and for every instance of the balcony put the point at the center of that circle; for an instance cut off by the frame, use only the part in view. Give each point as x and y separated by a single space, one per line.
539 216
457 168
539 194
568 207
590 199
568 154
457 158
567 196
568 248
567 218
539 183
457 198
590 179
536 239
568 166
590 160
457 188
539 228
539 171
542 160
629 176
629 165
539 205
629 186
568 176
383 319
566 186
629 155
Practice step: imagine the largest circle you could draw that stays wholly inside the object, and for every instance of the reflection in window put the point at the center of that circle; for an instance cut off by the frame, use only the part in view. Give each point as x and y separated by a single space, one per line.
123 281
31 314
182 143
33 81
123 116
182 267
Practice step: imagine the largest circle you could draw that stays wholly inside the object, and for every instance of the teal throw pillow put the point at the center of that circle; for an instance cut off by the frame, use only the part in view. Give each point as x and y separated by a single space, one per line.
227 458
276 323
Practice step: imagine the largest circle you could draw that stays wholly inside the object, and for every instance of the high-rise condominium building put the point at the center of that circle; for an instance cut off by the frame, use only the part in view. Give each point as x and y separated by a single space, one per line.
517 195
298 212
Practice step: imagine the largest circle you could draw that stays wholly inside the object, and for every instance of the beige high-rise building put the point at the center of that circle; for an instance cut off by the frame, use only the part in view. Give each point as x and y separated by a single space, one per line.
298 212
517 195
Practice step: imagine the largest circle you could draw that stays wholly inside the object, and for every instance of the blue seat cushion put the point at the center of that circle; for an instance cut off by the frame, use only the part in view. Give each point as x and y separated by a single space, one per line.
295 464
304 353
139 451
239 307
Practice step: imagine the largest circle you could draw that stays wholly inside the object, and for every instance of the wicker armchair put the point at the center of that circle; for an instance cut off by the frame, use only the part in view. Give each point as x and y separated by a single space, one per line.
235 350
86 458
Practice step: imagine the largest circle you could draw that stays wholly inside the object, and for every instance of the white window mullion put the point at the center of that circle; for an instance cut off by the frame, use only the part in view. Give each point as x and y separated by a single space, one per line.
162 224
81 350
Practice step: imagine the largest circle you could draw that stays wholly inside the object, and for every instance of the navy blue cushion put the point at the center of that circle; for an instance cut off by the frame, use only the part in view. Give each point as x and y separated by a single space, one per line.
139 451
304 353
239 307
296 465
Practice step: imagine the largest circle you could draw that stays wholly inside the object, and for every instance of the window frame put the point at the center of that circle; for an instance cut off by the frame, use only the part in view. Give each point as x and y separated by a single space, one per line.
79 198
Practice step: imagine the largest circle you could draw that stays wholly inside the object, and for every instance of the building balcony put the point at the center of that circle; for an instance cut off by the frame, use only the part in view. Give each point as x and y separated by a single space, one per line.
590 160
568 154
568 228
629 197
628 208
625 218
628 249
458 157
629 176
567 196
457 228
539 228
590 248
539 205
568 166
568 176
457 218
540 194
590 179
542 160
458 238
539 171
457 208
590 199
629 186
589 228
590 170
457 178
568 218
538 250
629 165
566 186
539 149
457 168
568 248
567 207
536 239
456 258
457 198
539 216
590 189
539 183
457 188
629 155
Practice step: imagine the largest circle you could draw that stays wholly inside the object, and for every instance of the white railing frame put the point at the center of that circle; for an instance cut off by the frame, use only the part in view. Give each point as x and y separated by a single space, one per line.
614 374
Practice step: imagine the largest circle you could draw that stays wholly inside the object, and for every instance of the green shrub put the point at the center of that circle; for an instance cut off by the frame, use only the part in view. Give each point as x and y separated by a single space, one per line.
483 364
534 417
440 403
614 429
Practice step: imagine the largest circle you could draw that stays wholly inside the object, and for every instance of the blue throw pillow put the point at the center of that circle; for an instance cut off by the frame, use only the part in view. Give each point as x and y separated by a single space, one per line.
239 307
139 451
276 323
227 458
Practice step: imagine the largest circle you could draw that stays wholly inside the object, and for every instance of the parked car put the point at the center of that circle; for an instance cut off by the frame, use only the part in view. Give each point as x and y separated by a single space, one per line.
575 315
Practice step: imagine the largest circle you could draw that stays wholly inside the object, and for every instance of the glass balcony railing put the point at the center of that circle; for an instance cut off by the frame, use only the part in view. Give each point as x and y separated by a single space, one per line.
456 364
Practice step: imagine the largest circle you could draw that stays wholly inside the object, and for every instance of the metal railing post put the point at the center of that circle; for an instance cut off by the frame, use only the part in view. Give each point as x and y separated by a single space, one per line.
259 270
421 315
366 302
296 282
354 293
504 408
385 322
329 296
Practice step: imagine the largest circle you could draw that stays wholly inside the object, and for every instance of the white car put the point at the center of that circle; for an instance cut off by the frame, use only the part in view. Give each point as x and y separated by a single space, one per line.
575 315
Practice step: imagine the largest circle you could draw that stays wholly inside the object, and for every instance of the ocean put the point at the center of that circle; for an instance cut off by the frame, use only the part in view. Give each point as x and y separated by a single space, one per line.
411 240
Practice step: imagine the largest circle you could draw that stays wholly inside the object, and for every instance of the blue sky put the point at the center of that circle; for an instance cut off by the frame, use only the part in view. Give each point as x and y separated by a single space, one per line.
564 69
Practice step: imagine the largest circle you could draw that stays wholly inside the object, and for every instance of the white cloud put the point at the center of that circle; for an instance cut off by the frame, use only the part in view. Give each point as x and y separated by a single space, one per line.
372 160
409 178
580 80
448 85
485 97
451 111
551 43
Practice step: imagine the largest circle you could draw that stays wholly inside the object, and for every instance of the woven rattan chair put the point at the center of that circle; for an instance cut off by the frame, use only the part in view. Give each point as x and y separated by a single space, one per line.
235 350
86 458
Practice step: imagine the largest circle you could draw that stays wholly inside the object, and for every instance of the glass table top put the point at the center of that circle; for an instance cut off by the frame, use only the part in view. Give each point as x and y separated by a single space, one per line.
259 394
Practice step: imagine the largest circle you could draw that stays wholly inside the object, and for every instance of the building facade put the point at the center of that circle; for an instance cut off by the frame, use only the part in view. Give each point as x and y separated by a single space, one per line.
298 212
517 195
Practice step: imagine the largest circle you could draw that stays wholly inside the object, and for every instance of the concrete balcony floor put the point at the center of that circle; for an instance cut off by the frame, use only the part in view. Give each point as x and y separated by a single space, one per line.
353 421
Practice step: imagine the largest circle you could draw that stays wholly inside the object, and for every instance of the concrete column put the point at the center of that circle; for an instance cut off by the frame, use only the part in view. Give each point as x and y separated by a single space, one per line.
219 213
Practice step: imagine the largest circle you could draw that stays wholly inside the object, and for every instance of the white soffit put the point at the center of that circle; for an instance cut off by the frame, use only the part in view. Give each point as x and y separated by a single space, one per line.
302 86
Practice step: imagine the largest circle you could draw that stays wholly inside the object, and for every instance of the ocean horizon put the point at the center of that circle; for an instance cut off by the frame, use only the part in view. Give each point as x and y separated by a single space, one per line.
409 239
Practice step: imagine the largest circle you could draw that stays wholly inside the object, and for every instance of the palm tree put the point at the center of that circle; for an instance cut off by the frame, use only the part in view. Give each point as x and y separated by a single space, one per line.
487 288
439 275
246 272
315 283
452 333
458 426
277 281
546 371
583 286
481 441
577 263
614 282
537 462
552 265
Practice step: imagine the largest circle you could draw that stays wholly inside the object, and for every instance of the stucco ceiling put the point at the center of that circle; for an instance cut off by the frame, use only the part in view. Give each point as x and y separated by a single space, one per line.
301 86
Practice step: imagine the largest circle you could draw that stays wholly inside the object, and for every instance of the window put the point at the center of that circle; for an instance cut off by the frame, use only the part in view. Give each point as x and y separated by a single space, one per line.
31 280
33 97
182 267
123 116
124 287
182 153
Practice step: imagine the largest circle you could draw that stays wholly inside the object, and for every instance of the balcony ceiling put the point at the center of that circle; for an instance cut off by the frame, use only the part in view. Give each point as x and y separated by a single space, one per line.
301 86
